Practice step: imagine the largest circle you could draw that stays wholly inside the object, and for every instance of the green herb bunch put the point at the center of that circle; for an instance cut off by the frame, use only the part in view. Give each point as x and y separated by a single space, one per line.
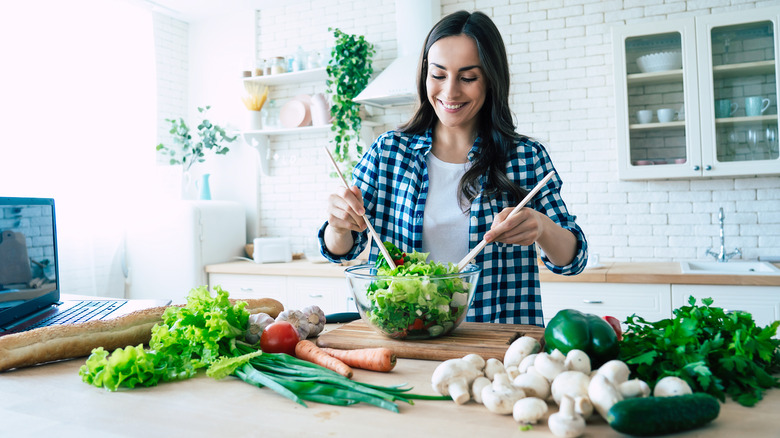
187 151
349 71
717 352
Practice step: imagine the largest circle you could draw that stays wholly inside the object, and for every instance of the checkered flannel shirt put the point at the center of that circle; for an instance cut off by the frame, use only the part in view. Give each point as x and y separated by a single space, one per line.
393 177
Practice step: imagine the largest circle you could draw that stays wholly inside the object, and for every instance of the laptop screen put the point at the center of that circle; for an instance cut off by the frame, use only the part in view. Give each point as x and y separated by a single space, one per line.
28 257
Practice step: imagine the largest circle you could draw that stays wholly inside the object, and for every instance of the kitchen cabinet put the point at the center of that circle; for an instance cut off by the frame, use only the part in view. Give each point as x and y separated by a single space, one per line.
725 59
294 292
650 301
763 302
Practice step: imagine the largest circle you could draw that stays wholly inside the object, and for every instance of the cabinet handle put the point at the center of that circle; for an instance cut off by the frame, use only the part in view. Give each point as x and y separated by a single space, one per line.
247 289
733 311
592 301
315 295
696 167
708 167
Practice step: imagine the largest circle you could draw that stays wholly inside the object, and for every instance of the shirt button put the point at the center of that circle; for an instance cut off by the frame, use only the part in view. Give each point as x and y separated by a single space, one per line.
474 221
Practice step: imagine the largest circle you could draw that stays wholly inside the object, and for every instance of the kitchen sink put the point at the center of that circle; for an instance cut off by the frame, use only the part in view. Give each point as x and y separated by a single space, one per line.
729 268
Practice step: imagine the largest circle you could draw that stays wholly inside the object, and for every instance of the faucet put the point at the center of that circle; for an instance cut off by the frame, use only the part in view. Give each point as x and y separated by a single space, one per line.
722 256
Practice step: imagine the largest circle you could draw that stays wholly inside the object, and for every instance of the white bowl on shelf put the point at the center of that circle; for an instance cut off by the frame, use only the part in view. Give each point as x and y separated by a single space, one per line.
660 61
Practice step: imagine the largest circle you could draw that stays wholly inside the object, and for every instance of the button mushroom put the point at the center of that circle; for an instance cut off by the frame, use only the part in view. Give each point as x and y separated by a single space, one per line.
519 349
453 377
529 410
500 397
492 367
527 362
603 393
571 383
577 360
634 388
549 365
533 383
615 370
670 386
566 422
476 388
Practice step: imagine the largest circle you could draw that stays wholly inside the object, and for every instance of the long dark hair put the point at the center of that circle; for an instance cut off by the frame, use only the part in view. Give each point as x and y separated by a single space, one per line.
495 125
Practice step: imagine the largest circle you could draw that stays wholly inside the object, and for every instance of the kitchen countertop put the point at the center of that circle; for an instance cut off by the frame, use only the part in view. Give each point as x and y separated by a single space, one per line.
616 272
51 400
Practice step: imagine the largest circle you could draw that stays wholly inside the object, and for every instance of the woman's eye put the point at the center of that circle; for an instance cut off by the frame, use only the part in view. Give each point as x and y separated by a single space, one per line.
437 77
468 79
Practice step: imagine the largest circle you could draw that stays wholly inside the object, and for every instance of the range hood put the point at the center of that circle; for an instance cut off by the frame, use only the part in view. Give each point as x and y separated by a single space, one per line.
397 84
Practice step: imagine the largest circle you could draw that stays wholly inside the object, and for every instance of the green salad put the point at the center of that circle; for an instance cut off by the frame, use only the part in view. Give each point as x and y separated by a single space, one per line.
414 303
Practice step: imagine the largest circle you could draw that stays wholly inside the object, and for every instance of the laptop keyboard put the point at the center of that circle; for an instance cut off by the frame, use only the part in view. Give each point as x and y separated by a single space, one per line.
84 311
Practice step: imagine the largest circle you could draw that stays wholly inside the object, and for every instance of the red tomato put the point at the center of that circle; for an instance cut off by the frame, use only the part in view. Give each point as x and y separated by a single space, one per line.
615 323
279 337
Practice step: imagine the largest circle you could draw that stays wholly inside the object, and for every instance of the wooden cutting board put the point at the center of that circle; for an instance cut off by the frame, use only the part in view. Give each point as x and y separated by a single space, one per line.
486 339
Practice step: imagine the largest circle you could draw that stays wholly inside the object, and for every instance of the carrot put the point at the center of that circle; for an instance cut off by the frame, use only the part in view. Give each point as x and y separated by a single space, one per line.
310 352
372 359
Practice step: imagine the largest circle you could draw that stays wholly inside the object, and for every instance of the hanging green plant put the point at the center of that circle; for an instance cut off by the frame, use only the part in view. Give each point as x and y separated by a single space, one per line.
185 150
349 70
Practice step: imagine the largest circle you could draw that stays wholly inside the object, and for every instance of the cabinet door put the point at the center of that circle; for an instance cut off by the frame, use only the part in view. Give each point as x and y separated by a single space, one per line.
252 286
655 69
738 75
330 294
763 302
650 301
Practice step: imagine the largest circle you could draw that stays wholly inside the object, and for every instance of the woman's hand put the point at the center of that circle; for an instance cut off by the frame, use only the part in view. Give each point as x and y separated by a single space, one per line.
529 226
345 214
524 228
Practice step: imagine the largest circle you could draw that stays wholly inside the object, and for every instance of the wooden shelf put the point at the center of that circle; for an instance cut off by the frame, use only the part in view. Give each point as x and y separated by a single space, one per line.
659 77
667 125
745 120
744 69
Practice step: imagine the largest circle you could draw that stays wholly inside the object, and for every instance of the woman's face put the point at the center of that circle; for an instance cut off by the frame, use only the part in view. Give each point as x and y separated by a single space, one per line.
455 83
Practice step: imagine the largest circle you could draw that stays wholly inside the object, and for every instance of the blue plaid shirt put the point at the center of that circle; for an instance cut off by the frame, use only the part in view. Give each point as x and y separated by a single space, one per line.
393 177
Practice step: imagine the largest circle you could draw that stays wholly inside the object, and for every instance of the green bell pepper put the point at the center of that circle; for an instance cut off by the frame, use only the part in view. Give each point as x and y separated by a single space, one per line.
573 330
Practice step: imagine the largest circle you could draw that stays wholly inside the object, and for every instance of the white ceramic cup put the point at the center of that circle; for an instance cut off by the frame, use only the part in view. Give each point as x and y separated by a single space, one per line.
593 260
644 116
665 115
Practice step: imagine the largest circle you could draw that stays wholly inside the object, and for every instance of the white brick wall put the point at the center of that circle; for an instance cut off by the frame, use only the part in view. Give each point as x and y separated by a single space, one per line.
562 93
171 48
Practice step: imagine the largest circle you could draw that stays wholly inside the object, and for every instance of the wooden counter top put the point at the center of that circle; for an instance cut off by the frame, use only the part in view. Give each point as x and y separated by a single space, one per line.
51 400
618 272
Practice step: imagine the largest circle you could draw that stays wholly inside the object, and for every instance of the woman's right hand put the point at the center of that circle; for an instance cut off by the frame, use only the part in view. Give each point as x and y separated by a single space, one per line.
345 214
345 210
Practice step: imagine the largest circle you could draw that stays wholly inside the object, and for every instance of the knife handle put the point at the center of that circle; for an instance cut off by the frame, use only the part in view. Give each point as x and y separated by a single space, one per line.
342 317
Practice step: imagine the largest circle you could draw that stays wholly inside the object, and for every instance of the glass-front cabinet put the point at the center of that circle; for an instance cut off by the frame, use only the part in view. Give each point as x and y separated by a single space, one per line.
698 96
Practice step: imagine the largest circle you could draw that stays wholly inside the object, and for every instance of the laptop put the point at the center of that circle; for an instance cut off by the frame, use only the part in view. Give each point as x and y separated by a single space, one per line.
29 273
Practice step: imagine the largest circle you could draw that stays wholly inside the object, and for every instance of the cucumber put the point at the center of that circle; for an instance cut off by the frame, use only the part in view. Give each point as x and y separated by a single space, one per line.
650 416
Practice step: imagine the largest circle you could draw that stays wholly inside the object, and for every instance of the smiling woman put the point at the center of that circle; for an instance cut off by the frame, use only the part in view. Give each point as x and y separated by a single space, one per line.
79 116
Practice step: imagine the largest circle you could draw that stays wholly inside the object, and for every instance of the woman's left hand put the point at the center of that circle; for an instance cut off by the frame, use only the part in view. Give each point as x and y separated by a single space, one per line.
524 228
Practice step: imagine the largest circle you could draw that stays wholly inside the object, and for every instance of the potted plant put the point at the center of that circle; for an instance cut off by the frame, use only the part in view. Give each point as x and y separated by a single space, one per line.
186 151
349 71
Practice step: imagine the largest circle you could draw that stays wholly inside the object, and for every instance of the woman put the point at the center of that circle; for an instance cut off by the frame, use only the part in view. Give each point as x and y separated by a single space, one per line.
453 173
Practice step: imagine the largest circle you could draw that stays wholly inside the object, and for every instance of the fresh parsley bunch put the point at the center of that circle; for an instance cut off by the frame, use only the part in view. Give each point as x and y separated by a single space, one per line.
714 351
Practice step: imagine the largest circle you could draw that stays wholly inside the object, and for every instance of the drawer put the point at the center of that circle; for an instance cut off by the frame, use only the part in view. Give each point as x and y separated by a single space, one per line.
252 286
330 294
650 301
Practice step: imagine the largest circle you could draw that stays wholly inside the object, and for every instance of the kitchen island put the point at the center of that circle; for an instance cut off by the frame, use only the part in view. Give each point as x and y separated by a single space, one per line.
51 400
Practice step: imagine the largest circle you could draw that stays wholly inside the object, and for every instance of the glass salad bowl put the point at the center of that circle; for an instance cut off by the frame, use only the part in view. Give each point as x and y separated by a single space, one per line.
412 306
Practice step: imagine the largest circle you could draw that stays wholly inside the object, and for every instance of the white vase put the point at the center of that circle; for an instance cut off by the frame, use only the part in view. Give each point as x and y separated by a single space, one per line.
254 120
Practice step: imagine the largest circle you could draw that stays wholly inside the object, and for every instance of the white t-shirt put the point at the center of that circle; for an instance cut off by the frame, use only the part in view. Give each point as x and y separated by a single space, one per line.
445 226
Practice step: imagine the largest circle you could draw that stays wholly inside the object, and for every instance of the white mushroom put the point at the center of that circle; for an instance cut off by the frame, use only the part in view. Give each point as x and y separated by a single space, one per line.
476 388
519 349
529 410
549 365
603 394
500 397
527 362
634 388
492 367
615 370
566 422
453 377
571 383
533 383
670 386
583 406
512 371
577 360
475 360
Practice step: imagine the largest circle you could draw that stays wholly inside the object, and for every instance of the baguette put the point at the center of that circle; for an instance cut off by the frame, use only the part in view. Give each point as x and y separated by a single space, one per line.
58 342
